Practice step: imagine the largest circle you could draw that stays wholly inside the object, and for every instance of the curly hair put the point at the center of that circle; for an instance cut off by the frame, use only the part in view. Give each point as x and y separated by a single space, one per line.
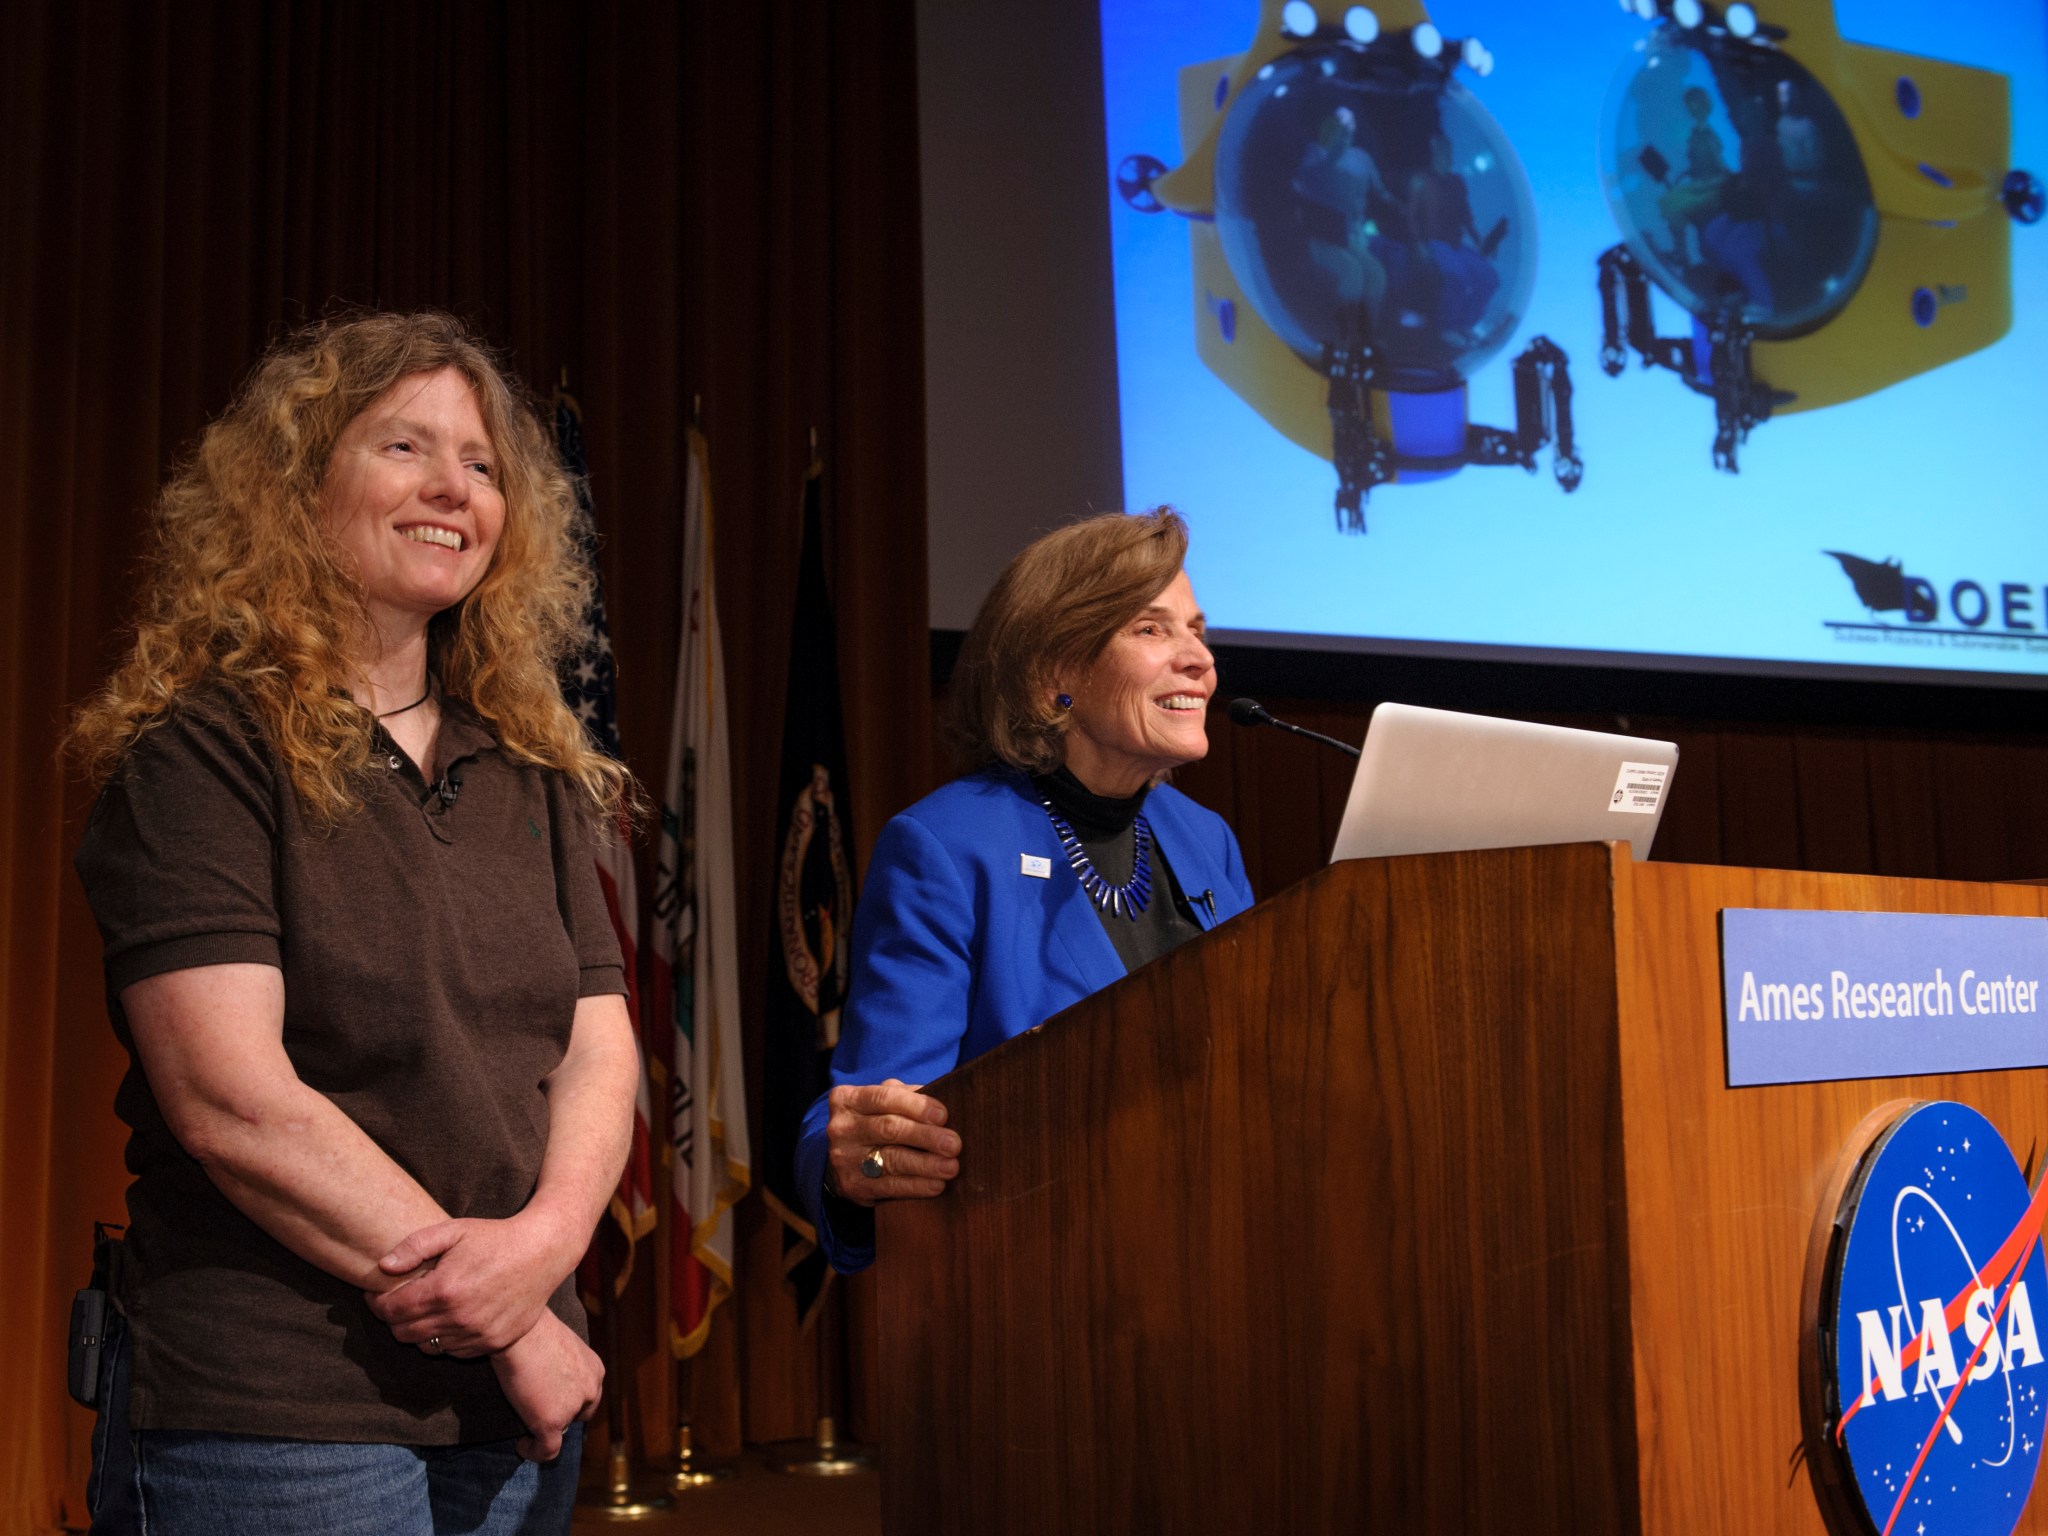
243 588
1058 603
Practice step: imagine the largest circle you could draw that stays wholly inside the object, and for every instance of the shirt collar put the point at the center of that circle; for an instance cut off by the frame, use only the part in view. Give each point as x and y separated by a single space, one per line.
464 732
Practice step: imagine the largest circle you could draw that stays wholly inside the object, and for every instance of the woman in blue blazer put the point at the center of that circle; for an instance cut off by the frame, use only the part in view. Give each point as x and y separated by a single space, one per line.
1055 868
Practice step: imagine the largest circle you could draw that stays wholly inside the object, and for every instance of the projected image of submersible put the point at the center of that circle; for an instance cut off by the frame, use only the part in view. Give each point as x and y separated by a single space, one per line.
1364 241
1833 217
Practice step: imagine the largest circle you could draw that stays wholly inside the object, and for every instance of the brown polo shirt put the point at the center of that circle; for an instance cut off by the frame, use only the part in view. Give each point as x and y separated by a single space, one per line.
433 954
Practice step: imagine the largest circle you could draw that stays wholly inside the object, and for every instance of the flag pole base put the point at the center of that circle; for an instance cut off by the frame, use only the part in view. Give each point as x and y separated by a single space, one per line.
823 1455
692 1470
619 1497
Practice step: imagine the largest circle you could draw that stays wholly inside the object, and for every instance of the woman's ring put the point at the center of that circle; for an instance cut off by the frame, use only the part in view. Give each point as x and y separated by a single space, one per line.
874 1165
433 1345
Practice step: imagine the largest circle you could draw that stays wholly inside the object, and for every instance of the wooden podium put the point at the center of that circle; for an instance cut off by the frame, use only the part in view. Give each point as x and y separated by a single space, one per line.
1412 1200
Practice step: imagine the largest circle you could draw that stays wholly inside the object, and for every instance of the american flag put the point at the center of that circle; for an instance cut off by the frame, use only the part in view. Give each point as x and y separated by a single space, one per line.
590 688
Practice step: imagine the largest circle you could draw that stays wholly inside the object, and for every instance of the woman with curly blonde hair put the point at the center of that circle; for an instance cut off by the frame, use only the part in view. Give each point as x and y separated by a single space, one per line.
381 1074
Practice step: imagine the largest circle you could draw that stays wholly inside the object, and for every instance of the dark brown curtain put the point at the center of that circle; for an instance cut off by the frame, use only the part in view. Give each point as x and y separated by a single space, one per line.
668 203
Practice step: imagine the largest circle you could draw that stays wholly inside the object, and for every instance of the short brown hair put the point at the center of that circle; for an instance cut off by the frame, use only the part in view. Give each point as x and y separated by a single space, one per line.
1057 604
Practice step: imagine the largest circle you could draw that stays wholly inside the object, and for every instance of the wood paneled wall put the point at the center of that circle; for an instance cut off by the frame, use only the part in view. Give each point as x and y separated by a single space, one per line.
1937 804
1950 805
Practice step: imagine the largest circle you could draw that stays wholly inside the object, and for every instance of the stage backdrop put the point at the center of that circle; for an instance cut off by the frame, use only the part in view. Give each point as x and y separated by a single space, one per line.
667 202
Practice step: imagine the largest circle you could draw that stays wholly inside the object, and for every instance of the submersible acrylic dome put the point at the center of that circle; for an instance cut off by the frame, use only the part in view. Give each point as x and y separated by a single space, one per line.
1365 196
1736 181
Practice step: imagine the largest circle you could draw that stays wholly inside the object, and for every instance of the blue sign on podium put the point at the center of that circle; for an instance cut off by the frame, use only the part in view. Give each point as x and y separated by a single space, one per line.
1811 997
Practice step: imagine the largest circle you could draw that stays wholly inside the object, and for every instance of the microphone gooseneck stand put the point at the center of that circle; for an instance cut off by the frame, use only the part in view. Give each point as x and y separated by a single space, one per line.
1252 712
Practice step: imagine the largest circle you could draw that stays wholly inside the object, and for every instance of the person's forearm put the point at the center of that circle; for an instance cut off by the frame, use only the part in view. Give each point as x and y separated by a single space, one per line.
211 1042
493 1278
590 1128
303 1171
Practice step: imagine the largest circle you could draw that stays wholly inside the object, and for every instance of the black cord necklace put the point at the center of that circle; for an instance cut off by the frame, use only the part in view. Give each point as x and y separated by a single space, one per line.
1126 900
406 708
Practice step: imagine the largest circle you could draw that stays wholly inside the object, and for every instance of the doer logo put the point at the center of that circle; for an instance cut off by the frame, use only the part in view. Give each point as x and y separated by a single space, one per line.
1884 587
1972 608
1935 1352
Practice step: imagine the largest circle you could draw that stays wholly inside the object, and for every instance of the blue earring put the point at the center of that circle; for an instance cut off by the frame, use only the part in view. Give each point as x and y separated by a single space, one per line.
1064 700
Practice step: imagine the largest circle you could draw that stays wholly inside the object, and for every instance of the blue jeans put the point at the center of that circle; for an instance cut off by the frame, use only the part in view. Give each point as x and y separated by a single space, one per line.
160 1482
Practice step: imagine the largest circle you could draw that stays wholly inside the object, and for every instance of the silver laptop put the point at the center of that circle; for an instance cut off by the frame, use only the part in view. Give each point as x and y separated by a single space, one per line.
1432 781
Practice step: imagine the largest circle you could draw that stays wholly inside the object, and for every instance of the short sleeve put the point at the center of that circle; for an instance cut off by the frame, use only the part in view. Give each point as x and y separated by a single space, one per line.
179 854
588 870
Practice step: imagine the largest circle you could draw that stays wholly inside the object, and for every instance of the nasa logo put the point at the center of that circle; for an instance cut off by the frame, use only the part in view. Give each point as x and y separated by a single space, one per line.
1928 1328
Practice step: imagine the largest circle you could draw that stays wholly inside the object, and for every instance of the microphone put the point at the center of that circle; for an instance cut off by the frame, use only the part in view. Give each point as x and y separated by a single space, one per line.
1252 712
445 789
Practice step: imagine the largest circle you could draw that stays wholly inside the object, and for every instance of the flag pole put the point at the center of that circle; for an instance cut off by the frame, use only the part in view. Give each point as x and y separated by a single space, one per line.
694 950
590 692
808 977
620 1496
692 1470
824 1454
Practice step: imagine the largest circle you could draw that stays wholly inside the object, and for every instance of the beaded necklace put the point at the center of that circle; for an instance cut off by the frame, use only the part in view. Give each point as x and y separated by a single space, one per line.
1126 900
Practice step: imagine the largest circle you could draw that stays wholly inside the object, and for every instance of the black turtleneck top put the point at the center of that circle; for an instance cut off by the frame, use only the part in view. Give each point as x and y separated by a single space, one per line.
1105 828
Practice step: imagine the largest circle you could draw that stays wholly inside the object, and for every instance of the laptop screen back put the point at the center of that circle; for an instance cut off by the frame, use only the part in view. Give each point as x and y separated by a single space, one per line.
1433 781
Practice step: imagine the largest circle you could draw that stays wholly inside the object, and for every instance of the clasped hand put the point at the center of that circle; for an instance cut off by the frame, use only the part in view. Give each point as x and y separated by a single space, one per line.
551 1378
481 1288
475 1285
919 1155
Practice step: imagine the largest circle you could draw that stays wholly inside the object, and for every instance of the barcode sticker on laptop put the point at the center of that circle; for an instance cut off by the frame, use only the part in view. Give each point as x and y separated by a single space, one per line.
1639 788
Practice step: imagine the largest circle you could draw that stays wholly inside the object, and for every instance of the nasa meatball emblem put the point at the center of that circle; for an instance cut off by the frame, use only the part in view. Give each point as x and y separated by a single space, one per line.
1928 1333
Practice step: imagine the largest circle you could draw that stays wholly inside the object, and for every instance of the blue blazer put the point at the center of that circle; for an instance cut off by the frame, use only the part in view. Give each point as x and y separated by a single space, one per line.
956 948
